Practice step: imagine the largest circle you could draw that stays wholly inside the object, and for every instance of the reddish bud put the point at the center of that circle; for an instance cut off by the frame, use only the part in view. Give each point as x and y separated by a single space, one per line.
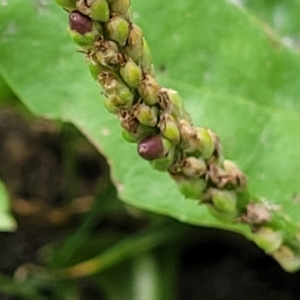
151 147
80 22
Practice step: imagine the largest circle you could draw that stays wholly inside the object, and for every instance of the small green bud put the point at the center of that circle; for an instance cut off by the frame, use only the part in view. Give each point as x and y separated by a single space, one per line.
68 4
94 67
267 239
195 139
119 6
286 257
134 45
170 100
99 10
120 95
139 133
193 167
192 188
224 201
221 215
131 73
146 59
129 137
153 147
118 29
146 115
82 29
111 104
149 90
205 143
169 129
164 163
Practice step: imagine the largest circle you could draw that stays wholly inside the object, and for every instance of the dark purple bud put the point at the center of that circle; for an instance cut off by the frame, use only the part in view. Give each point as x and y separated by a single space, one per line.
151 147
80 22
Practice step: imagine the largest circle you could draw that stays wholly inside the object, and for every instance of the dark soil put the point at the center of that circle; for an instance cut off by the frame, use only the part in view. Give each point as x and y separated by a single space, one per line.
220 265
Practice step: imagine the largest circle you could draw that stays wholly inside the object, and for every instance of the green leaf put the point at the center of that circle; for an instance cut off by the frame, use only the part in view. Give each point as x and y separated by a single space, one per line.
235 75
7 222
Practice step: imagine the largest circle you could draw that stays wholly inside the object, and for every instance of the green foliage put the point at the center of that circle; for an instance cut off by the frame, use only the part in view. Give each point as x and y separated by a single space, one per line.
234 73
7 223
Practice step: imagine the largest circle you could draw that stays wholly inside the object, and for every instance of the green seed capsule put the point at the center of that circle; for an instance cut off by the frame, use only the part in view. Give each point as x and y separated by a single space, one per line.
191 188
149 90
99 10
163 164
68 4
146 59
153 147
174 103
119 6
111 105
288 260
193 167
221 215
129 136
94 67
118 29
224 201
146 115
169 128
131 73
205 143
121 96
134 45
267 239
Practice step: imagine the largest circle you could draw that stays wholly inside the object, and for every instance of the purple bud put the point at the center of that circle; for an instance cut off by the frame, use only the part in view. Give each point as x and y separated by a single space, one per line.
151 147
80 22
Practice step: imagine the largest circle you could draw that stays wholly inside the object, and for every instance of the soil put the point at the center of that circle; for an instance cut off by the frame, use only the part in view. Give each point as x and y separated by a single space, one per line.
221 265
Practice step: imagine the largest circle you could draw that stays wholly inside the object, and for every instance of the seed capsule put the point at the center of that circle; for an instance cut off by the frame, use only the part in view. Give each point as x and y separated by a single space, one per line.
222 200
131 73
170 100
146 59
99 10
163 163
169 128
119 6
118 29
141 131
191 188
153 147
205 143
193 167
82 29
234 175
267 239
108 55
120 95
135 41
149 90
146 115
94 67
221 215
288 260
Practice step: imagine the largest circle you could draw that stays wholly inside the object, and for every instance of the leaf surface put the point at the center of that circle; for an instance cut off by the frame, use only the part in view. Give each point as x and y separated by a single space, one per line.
234 74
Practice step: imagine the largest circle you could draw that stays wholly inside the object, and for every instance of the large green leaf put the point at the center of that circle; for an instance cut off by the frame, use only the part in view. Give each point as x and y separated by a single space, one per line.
234 74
